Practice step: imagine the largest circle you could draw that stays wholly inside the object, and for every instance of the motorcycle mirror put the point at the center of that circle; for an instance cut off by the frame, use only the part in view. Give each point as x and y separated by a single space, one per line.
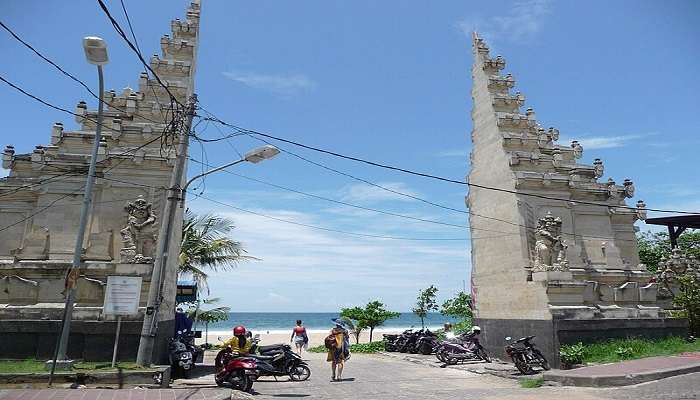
508 337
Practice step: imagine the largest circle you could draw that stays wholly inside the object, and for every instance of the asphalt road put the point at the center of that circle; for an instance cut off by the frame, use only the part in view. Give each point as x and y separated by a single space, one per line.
378 377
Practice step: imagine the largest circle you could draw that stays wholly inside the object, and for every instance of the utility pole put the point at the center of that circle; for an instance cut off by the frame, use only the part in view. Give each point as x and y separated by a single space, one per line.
174 195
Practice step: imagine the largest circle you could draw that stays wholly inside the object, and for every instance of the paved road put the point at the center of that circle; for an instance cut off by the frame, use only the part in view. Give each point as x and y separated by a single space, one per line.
379 377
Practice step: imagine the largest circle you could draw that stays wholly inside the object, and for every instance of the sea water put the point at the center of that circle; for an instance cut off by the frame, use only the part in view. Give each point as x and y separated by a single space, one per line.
283 322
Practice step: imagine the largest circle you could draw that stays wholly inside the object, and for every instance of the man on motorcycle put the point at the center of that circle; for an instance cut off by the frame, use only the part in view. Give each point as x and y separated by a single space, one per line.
239 343
473 333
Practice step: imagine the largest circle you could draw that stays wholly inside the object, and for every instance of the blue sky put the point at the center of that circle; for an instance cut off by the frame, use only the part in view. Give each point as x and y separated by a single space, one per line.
388 81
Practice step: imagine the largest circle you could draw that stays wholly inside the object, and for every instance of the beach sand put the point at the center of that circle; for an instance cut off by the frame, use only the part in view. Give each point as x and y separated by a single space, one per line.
315 337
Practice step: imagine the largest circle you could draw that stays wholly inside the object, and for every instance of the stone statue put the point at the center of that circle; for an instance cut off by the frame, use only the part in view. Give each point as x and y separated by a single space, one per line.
612 189
641 212
598 168
628 188
578 149
138 236
550 249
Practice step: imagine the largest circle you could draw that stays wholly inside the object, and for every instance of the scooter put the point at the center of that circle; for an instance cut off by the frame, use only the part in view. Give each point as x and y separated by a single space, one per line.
182 354
455 352
279 360
427 342
525 355
240 372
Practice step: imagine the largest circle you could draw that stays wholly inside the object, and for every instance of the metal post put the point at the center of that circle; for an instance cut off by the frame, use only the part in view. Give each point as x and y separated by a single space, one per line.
74 271
150 320
116 341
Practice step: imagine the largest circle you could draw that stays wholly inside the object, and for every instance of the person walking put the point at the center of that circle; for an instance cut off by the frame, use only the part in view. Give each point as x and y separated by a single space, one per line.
299 337
338 345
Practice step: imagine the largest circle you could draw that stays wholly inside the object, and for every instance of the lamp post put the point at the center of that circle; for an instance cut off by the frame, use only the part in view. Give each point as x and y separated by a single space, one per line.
96 54
177 195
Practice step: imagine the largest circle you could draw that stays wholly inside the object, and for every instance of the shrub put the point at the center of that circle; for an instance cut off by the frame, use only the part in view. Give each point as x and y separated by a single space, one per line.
572 354
372 347
625 353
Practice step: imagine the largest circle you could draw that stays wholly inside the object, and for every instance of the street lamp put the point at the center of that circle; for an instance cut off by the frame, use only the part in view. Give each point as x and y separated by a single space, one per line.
96 54
254 156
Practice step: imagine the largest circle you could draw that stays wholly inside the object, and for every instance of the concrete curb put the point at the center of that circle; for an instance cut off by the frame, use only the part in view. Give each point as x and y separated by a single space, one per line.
618 380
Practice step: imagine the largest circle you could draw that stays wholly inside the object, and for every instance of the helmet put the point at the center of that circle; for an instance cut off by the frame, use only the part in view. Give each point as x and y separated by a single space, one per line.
239 330
476 329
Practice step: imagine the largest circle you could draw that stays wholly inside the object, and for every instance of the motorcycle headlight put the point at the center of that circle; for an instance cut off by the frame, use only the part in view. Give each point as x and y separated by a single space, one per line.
185 356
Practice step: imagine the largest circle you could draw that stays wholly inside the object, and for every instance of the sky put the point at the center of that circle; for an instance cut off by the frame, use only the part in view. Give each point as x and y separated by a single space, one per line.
386 81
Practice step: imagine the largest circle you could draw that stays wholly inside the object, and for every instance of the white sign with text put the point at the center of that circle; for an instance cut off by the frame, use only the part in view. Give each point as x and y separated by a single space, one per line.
122 295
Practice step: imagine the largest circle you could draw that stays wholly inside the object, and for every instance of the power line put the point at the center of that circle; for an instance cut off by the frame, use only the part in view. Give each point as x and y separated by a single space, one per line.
328 229
336 201
121 33
431 176
69 75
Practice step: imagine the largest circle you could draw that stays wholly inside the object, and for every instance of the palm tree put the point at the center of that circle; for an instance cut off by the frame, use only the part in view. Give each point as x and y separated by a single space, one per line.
209 316
206 246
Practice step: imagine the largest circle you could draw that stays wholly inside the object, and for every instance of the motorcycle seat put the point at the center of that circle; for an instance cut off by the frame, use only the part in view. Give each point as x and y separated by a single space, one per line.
263 357
272 347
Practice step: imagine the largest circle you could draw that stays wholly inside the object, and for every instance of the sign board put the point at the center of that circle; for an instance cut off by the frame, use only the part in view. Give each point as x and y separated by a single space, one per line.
122 295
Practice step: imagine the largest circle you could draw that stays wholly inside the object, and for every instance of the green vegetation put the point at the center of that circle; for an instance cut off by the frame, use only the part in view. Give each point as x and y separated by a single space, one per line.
655 246
372 347
625 349
572 354
425 303
371 316
37 366
688 300
459 307
206 245
532 383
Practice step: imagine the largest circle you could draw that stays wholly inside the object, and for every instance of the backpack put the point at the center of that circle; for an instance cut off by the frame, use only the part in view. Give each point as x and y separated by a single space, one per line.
330 342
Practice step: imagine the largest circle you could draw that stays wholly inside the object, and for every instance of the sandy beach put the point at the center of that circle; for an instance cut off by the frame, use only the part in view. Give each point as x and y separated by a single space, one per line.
274 337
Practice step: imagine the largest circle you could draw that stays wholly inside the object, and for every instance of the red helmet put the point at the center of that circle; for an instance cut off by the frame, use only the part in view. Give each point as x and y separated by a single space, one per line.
239 330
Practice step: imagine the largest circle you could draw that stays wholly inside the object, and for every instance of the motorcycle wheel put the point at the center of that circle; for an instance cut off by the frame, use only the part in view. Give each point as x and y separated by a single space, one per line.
522 366
185 373
441 356
299 373
219 381
426 349
244 383
451 360
542 361
484 356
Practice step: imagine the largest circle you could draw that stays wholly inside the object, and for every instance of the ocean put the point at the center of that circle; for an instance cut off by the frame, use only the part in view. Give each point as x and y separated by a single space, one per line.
314 322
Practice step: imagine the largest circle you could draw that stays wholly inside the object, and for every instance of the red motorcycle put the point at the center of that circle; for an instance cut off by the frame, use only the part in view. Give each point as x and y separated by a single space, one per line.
233 369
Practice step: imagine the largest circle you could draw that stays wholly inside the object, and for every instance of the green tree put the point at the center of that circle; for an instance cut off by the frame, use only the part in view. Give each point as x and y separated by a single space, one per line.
209 316
688 299
655 246
353 319
458 306
426 303
206 246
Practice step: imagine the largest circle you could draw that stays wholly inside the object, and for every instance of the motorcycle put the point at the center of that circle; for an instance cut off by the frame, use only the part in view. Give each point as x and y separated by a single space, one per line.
427 342
182 354
390 342
408 344
233 369
525 355
279 360
461 350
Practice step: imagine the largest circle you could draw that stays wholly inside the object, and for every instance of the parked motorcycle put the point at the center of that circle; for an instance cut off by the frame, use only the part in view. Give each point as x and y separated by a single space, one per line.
182 355
279 360
407 344
240 372
427 343
390 342
525 355
461 349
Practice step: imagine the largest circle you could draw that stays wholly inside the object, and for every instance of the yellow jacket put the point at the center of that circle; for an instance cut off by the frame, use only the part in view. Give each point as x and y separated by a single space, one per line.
235 345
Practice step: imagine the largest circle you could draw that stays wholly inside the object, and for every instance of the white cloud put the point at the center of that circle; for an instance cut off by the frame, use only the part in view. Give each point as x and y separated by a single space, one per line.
453 153
306 269
523 20
369 193
602 142
283 85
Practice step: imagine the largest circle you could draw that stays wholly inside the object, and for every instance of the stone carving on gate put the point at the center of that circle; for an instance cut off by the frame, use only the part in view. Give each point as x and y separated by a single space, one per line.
598 168
550 248
139 234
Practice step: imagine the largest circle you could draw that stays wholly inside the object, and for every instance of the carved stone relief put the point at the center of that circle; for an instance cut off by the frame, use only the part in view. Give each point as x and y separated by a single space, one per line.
36 245
550 248
139 234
